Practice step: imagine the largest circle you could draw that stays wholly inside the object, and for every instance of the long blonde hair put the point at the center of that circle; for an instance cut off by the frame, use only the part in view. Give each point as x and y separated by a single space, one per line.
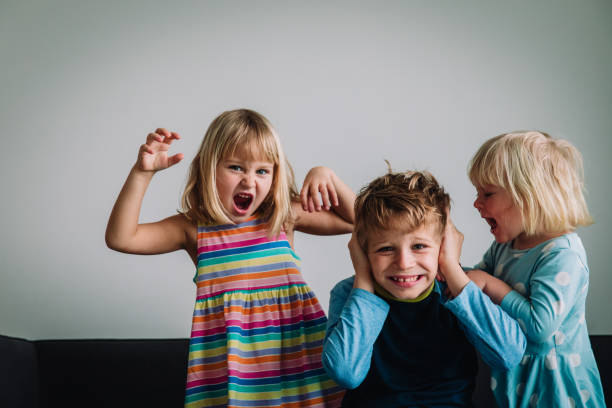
241 127
543 175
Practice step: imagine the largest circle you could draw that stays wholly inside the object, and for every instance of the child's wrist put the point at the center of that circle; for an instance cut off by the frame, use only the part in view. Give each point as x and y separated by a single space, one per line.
138 173
363 283
456 279
137 170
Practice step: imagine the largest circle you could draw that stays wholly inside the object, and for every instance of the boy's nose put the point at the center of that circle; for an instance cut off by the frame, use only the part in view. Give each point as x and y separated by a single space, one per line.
405 259
477 203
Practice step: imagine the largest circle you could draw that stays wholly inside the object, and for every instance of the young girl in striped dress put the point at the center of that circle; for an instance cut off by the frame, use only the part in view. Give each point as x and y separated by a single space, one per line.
257 329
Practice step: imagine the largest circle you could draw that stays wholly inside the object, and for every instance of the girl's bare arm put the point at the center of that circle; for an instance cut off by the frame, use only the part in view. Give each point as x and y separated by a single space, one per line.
123 232
333 213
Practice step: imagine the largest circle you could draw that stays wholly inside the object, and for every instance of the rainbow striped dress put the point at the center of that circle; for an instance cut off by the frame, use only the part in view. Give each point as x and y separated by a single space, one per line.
257 331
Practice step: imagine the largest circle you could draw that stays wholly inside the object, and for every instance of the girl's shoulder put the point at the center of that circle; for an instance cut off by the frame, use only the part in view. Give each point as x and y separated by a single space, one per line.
568 244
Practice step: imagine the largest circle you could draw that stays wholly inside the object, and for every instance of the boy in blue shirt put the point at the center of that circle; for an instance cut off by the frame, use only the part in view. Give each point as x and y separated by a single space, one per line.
396 337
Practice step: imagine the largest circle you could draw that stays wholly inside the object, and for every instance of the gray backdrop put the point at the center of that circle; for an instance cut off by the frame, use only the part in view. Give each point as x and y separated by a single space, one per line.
347 84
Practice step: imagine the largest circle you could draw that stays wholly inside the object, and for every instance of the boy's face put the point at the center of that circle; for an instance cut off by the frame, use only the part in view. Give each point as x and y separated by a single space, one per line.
405 262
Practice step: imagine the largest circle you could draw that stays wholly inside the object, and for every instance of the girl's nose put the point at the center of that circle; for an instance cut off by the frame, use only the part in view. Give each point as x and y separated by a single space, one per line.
248 179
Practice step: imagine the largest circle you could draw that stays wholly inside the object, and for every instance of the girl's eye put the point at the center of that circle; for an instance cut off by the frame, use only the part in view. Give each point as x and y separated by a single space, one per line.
234 167
419 246
263 171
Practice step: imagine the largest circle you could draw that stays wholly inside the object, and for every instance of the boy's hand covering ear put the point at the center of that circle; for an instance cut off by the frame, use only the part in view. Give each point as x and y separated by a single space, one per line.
450 249
361 264
449 268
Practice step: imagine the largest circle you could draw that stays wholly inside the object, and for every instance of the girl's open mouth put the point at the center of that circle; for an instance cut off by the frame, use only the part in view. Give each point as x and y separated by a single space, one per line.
492 223
243 201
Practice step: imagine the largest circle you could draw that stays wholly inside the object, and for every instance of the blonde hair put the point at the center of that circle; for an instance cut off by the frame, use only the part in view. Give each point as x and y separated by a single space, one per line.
543 175
232 129
412 198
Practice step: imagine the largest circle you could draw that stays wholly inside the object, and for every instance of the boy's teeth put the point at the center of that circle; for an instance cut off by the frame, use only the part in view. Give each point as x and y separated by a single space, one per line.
409 279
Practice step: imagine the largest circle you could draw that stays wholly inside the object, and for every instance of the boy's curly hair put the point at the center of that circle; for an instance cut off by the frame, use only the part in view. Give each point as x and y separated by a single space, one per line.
412 198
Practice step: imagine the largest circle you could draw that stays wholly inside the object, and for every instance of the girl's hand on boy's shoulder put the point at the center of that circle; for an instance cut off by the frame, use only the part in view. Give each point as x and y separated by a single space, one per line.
479 277
153 154
493 287
320 181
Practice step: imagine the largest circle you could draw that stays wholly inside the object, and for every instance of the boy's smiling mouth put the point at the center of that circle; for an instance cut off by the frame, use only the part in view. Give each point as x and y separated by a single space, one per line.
405 281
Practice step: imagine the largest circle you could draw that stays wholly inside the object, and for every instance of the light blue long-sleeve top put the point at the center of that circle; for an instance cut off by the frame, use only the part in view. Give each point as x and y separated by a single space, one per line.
550 283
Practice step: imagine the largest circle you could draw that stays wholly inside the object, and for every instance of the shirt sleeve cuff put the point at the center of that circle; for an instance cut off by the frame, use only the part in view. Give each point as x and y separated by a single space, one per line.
510 300
363 296
462 299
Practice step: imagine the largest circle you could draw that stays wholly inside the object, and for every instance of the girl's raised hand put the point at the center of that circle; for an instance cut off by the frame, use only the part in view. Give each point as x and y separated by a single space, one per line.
153 155
319 180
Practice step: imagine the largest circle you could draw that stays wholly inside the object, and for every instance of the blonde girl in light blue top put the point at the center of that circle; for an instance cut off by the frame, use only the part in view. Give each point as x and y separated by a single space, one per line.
530 192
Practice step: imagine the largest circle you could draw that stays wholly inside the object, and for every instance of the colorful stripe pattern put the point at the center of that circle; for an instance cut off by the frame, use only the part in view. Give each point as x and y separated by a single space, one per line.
258 330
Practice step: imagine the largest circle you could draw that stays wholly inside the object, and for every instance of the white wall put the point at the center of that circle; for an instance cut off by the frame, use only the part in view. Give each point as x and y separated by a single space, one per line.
347 84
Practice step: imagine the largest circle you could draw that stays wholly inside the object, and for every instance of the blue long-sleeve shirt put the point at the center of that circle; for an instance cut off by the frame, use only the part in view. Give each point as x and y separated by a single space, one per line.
550 284
371 343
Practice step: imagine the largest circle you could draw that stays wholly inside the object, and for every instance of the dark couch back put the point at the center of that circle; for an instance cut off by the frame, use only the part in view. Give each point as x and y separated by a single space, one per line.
18 373
141 373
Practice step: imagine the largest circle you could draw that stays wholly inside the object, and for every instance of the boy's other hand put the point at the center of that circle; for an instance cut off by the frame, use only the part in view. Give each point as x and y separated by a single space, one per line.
450 248
449 268
361 264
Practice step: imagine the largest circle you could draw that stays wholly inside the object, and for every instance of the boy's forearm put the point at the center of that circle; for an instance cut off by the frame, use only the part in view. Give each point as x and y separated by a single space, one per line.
497 337
351 335
456 279
364 281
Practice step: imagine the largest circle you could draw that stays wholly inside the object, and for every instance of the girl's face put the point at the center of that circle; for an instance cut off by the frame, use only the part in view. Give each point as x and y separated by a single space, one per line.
243 183
496 206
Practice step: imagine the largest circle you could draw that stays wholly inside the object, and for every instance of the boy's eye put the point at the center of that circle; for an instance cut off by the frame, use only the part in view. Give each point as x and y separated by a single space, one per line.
385 249
419 246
